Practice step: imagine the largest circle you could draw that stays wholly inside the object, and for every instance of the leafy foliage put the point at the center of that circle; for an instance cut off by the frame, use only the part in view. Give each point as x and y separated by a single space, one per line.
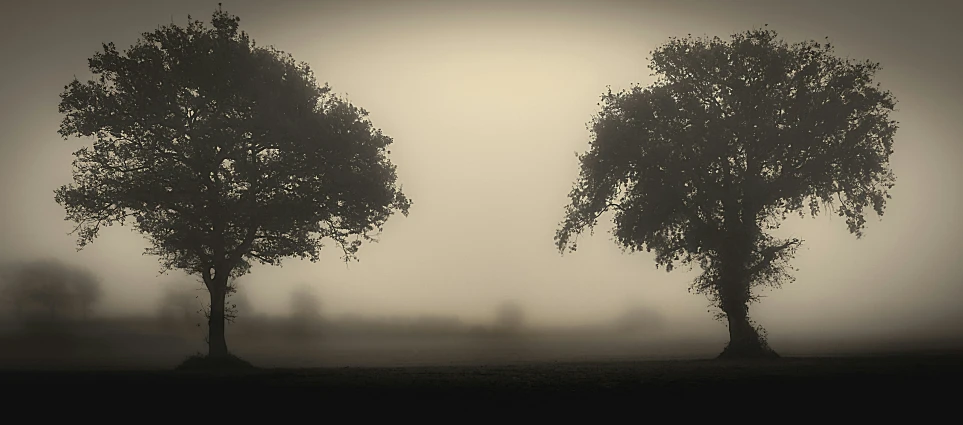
222 152
731 139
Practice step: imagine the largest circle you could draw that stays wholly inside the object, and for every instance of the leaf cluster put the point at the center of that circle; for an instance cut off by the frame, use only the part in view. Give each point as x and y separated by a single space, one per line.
222 152
731 138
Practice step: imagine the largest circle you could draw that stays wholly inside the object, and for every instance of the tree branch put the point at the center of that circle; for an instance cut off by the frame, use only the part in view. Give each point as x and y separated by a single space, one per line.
245 245
769 255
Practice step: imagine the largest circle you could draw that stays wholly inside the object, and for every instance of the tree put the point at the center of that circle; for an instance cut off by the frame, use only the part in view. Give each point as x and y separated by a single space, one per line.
42 284
305 311
730 139
86 290
510 317
305 305
638 319
9 290
56 287
222 153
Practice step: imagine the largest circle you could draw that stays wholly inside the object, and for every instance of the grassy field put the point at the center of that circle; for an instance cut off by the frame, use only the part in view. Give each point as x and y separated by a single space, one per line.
410 369
912 380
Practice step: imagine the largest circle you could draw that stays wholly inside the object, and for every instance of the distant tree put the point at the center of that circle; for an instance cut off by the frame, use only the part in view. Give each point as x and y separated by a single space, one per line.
222 153
510 317
51 285
86 289
639 319
305 305
731 138
6 290
305 311
9 295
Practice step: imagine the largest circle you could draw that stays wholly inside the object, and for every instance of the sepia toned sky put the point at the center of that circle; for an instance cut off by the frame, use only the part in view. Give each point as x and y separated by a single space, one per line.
487 103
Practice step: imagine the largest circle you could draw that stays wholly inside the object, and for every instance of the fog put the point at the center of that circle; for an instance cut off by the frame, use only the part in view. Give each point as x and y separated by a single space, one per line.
487 105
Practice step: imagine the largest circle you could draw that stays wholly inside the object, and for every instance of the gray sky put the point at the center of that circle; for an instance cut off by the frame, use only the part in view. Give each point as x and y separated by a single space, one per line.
487 104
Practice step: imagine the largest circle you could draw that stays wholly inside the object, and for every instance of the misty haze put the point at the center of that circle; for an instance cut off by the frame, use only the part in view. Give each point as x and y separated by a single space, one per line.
408 187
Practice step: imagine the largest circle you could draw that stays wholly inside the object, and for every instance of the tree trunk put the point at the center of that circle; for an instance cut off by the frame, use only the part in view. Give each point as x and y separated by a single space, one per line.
217 345
744 339
733 288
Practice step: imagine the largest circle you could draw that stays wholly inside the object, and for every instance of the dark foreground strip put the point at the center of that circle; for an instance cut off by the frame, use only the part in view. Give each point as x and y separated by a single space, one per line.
926 380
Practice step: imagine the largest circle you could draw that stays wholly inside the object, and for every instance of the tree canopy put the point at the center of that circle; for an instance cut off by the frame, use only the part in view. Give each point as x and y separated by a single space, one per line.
731 138
222 153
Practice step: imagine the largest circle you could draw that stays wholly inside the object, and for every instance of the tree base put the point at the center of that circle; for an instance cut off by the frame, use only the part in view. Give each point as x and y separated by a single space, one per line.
202 363
755 352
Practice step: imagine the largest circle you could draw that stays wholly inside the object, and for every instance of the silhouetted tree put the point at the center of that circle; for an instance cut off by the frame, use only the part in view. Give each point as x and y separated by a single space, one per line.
222 153
731 138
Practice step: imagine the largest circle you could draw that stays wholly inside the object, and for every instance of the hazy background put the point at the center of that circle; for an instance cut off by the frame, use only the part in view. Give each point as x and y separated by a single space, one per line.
488 103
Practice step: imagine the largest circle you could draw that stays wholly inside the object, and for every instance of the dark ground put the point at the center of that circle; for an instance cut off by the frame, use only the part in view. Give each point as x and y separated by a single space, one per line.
379 374
915 381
